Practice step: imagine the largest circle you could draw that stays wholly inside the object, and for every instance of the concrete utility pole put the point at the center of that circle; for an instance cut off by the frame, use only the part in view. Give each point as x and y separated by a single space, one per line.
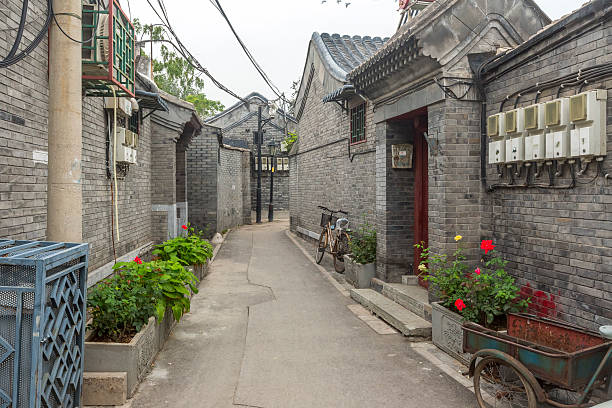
64 192
259 141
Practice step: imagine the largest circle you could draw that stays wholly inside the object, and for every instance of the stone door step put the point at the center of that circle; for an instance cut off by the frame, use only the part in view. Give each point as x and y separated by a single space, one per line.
413 298
104 389
408 323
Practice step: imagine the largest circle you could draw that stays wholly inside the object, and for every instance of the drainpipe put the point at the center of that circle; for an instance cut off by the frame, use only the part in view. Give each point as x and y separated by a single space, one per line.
64 188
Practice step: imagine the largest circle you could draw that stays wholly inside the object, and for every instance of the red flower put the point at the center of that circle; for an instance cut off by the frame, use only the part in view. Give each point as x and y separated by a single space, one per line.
459 304
477 271
184 227
138 260
487 245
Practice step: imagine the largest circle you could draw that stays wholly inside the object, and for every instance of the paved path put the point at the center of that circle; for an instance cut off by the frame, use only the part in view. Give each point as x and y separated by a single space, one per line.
268 330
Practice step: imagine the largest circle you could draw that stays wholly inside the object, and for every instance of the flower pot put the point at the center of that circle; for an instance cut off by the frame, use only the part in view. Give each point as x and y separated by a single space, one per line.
133 358
358 275
447 332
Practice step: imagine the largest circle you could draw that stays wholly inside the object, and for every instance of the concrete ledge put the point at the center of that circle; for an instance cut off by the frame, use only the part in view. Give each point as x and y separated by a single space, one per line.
413 298
105 271
409 324
104 389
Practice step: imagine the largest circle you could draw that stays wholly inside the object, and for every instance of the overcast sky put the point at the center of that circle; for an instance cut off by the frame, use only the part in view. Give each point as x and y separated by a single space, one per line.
277 32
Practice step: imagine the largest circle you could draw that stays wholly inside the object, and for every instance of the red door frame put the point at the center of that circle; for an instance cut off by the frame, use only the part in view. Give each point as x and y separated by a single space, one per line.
421 191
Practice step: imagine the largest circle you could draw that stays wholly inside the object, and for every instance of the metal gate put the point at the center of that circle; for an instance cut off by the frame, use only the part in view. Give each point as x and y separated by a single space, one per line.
42 323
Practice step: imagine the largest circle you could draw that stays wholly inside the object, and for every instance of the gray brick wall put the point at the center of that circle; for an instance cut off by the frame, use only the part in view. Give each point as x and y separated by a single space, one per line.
558 242
23 181
230 191
322 172
202 158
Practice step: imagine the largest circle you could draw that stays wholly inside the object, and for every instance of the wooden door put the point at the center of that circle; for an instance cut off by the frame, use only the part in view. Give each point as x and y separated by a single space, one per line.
421 179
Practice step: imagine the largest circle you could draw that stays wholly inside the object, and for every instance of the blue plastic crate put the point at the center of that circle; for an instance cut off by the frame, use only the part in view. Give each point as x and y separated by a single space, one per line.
42 323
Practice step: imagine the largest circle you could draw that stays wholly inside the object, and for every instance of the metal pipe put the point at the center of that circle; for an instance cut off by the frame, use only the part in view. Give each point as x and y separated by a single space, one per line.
259 140
595 375
65 195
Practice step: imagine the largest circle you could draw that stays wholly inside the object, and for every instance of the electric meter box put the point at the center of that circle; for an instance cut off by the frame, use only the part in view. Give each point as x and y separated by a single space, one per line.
497 152
514 122
556 119
515 150
495 125
124 106
497 145
535 141
587 112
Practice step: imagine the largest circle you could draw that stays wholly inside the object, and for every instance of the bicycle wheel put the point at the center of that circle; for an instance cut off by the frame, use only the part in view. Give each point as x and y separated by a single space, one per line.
320 247
505 386
341 248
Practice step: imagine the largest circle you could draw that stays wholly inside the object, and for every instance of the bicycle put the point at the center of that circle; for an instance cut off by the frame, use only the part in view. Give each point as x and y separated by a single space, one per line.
338 243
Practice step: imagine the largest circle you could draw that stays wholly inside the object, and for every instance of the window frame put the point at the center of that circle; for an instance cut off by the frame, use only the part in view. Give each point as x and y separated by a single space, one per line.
358 121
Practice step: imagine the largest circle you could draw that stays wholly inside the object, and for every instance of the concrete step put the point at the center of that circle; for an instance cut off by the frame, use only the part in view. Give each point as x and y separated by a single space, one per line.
409 324
104 389
412 297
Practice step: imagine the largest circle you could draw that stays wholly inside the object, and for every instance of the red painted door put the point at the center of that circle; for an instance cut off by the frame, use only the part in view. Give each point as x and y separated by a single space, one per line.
421 219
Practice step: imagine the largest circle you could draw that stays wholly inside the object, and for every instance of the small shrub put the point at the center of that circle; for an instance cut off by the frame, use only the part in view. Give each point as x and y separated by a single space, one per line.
363 245
482 293
190 249
122 304
172 283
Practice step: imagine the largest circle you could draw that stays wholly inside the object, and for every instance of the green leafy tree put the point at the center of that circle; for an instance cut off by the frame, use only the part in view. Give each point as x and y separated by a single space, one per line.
175 75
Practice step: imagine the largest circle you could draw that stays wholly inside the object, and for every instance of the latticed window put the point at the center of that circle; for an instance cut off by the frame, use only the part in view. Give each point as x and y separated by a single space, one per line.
358 123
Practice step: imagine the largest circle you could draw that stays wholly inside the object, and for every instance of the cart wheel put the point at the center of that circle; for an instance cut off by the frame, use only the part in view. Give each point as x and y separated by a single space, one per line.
501 385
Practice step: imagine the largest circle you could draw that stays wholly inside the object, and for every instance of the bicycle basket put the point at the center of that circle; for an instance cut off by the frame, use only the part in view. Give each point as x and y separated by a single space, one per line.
325 218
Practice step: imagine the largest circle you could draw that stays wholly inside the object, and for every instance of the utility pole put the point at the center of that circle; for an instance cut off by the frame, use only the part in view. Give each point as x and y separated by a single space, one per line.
259 140
64 188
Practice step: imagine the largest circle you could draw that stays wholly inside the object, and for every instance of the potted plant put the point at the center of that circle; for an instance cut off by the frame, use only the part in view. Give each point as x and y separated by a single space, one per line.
190 250
123 335
482 293
361 262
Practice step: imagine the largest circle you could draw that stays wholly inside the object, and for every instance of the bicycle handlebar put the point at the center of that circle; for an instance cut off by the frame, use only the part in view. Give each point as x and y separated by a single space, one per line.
332 211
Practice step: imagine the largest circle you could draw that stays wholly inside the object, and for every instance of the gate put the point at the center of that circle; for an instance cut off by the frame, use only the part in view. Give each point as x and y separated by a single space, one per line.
42 323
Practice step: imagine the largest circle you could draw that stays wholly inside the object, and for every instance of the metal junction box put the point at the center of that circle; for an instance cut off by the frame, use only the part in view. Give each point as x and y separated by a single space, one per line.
515 143
587 113
496 132
535 141
558 132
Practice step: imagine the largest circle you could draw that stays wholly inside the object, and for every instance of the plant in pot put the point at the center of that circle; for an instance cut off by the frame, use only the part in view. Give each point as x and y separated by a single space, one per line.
361 262
482 293
189 249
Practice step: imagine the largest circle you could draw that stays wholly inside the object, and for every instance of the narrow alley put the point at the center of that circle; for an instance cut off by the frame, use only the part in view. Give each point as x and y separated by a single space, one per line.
269 330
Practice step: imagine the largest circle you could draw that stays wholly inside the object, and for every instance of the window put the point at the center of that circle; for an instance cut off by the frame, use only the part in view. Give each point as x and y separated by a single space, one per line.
358 123
264 164
279 164
286 163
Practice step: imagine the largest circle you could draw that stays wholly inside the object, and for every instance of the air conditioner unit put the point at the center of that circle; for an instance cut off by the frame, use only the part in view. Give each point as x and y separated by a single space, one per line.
124 106
588 114
96 51
121 136
557 123
123 154
135 144
129 138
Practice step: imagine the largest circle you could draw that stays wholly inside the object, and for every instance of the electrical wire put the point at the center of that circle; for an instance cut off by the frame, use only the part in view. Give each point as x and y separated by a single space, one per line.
248 53
186 54
11 60
93 33
19 36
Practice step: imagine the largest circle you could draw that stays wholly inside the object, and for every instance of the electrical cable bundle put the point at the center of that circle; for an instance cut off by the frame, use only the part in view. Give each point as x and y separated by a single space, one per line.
184 52
13 56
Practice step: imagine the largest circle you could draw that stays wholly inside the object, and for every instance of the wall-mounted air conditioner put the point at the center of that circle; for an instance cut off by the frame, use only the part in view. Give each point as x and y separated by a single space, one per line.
587 112
124 106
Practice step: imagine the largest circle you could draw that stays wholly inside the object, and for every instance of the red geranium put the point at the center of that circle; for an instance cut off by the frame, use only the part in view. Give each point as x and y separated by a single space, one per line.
477 271
459 304
184 227
487 245
138 260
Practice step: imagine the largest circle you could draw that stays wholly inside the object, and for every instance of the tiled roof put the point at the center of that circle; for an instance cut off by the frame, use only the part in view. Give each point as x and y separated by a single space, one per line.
345 51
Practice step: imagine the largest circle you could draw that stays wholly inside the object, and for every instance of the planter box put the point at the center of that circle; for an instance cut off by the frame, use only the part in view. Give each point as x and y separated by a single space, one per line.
200 271
133 358
358 275
447 332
